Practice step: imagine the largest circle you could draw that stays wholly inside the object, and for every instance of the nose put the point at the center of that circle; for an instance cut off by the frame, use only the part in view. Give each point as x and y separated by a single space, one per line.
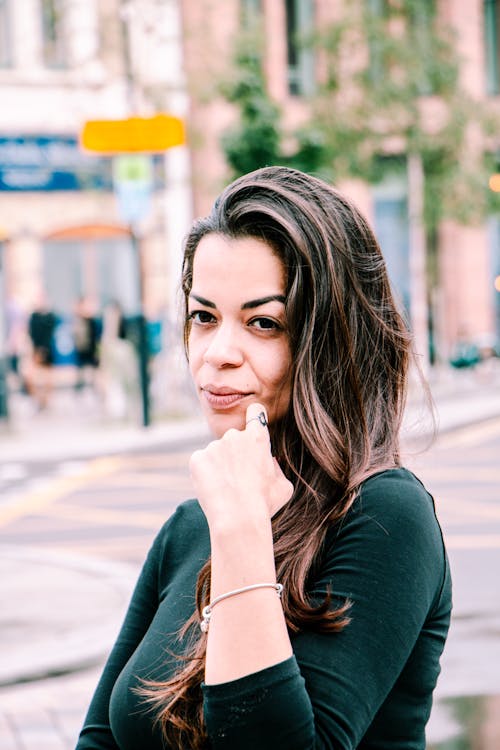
224 347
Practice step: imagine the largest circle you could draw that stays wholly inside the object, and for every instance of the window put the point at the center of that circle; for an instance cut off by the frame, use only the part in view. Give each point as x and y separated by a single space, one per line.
491 45
5 37
392 229
250 13
376 17
420 37
299 22
53 34
422 19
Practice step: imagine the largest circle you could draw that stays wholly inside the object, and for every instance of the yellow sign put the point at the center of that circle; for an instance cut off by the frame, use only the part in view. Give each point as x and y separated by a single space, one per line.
135 134
494 182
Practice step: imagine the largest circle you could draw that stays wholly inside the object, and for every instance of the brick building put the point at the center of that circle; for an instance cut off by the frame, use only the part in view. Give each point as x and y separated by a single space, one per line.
467 303
63 62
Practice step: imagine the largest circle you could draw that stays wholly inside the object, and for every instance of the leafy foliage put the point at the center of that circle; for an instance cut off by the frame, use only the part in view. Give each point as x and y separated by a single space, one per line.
255 141
389 85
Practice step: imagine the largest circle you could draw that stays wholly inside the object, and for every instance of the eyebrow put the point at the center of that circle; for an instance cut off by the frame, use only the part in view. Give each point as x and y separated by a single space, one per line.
246 305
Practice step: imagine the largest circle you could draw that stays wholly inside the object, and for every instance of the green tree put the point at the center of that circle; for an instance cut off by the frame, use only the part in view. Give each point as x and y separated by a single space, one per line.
255 141
381 103
389 96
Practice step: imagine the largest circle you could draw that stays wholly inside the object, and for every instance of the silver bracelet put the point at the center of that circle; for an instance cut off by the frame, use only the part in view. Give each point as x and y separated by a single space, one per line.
207 611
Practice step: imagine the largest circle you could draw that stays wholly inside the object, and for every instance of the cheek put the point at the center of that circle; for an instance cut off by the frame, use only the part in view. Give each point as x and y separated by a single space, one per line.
279 368
194 363
194 353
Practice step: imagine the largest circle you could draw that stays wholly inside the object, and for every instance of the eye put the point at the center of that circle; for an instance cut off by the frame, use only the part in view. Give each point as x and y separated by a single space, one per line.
265 324
201 317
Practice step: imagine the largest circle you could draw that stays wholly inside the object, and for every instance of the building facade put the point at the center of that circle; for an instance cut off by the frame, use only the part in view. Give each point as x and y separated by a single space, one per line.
62 229
466 303
64 224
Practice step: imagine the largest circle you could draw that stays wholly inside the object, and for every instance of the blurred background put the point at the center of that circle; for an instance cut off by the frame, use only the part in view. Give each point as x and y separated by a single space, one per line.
120 122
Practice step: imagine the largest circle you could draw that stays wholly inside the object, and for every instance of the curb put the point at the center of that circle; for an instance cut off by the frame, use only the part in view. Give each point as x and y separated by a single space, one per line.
58 646
100 440
453 411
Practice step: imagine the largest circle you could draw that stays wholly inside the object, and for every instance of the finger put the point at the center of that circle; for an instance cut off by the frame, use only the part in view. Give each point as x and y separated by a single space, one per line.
256 417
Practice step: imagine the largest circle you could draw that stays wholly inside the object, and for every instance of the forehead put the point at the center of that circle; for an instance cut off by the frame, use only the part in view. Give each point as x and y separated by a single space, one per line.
245 263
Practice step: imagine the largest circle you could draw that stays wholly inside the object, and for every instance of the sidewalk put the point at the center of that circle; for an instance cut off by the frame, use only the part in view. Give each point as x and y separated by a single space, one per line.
461 398
76 429
47 625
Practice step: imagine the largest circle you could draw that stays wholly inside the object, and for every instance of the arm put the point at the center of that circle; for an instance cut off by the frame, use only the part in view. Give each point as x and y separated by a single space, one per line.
388 559
96 732
239 486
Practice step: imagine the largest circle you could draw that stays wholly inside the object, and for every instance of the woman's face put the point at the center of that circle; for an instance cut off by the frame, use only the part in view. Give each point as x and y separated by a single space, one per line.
238 346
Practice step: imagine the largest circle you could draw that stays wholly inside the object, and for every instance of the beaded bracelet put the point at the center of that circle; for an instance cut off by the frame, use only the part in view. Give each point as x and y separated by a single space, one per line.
207 611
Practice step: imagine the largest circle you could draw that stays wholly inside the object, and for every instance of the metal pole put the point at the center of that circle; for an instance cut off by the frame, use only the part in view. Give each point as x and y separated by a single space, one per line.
133 101
4 391
418 264
143 343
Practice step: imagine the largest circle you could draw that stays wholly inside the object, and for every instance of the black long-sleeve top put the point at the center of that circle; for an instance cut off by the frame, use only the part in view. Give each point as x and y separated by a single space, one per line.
368 687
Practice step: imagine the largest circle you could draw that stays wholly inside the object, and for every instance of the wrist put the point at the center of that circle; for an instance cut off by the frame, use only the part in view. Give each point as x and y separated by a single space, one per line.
246 521
241 556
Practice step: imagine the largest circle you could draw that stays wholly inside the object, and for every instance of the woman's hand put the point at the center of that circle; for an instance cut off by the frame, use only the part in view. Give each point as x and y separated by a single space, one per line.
236 478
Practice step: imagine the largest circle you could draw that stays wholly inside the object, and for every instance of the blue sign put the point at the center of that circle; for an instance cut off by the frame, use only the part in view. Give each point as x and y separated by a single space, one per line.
63 345
50 162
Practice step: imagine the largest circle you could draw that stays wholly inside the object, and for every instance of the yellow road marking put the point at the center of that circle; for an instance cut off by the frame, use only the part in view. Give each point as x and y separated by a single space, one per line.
131 548
106 516
159 460
161 481
35 501
471 435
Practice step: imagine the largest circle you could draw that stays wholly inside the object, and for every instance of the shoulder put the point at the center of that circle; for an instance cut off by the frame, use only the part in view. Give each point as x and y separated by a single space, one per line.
188 517
186 530
391 538
392 515
395 496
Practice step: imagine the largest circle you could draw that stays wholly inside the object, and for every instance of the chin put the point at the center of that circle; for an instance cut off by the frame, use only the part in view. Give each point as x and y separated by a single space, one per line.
219 424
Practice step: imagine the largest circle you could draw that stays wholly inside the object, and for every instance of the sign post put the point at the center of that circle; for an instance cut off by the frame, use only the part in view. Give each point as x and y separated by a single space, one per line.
4 410
133 135
129 141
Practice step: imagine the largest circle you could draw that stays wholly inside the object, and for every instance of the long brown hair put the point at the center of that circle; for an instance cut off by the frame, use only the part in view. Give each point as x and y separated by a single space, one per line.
350 349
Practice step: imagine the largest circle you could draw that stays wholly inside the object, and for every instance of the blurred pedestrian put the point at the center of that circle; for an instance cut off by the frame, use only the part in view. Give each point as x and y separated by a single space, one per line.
303 600
41 326
16 341
119 374
85 331
466 353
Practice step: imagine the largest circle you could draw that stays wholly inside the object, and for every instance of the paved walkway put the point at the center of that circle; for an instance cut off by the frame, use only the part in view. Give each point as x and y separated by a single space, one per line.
53 644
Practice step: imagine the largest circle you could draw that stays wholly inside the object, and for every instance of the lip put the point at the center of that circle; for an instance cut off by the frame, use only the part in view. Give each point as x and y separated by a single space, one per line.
223 397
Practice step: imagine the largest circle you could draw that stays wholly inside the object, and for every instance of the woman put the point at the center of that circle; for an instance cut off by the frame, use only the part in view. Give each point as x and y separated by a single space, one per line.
300 360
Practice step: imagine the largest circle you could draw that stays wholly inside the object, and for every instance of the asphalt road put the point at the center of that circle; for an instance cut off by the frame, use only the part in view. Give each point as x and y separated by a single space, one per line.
463 473
110 508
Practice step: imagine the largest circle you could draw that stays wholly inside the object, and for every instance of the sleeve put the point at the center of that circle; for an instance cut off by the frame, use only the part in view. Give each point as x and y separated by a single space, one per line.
96 732
387 559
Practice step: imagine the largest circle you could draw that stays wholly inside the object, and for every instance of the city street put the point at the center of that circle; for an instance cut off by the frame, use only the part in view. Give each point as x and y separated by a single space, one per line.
357 236
97 517
463 472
